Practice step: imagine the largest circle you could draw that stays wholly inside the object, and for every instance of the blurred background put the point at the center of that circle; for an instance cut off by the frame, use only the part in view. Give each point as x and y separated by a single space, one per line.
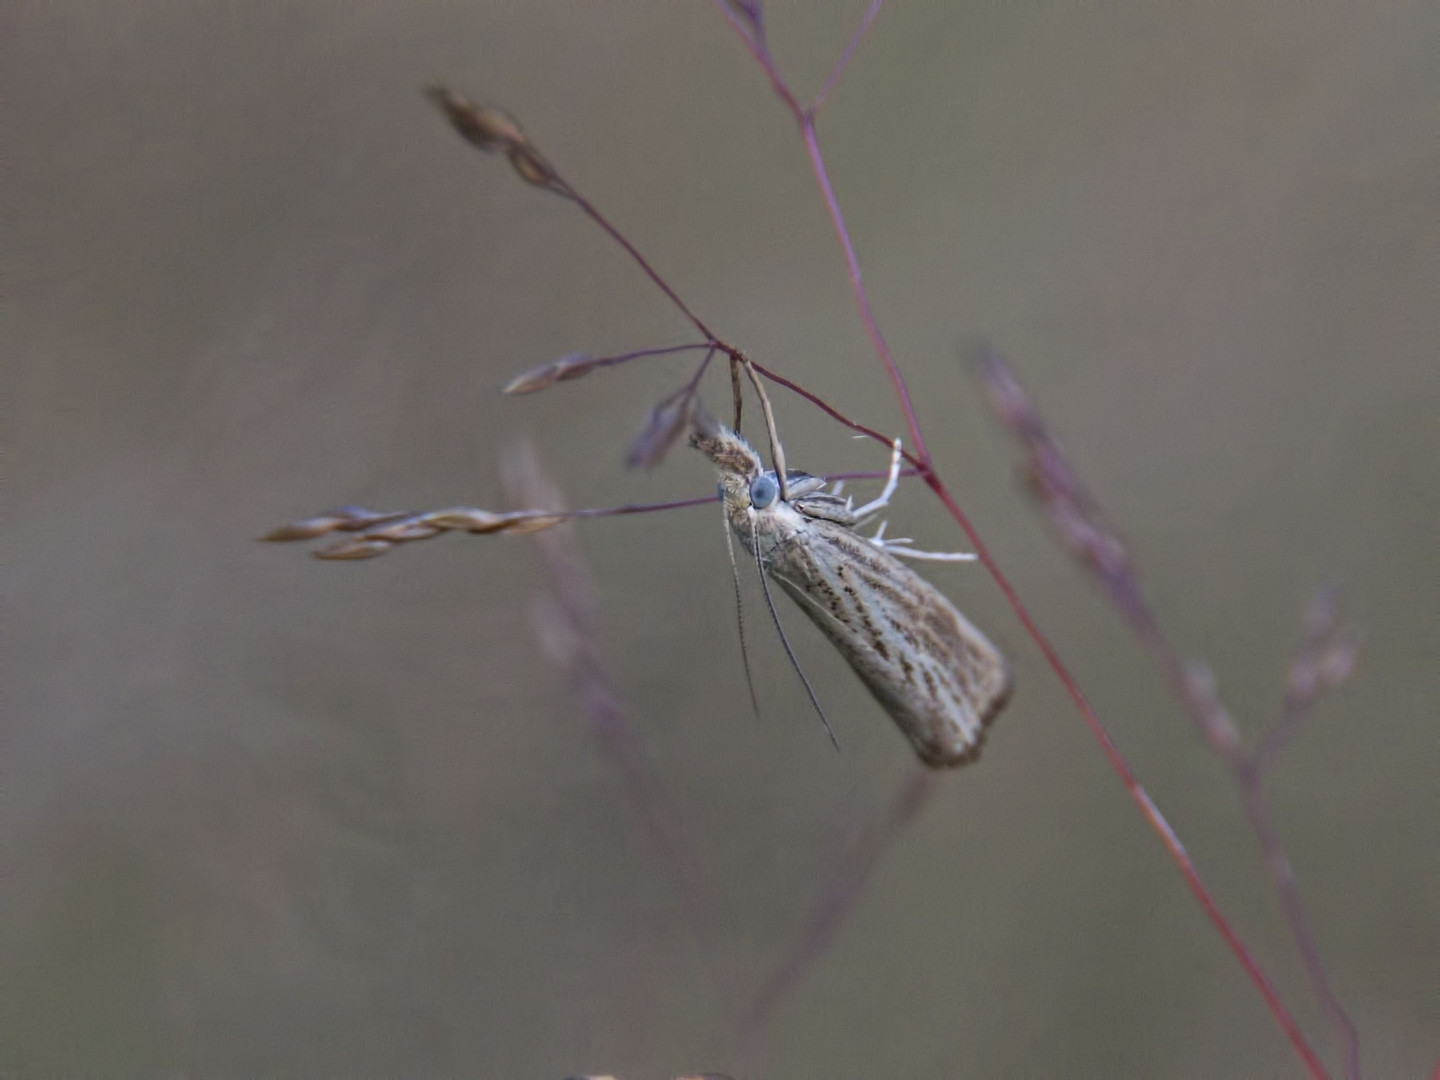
266 816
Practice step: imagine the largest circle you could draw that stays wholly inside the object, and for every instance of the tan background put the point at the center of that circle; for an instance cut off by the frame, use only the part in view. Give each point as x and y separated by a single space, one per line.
271 817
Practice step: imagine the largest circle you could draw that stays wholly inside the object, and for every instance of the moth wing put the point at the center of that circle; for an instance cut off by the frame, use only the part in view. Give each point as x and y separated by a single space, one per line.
940 679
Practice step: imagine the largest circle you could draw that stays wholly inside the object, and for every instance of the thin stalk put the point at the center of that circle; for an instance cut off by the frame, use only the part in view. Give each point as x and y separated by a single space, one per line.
857 288
834 413
1117 761
1151 813
818 101
615 234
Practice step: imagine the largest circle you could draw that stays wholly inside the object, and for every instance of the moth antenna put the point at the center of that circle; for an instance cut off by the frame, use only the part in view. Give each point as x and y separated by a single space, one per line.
777 452
740 618
765 588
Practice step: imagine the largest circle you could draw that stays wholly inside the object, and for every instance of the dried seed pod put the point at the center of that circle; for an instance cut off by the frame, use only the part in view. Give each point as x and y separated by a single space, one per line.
1008 399
308 529
1202 695
750 13
481 125
663 428
357 547
524 522
413 527
467 518
341 519
531 166
569 366
1337 663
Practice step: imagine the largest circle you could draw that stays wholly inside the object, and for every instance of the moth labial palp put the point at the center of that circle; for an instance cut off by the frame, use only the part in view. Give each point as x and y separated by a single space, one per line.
940 679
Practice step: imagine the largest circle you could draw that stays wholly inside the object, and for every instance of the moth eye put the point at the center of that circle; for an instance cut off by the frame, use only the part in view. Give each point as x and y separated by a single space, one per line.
763 490
720 489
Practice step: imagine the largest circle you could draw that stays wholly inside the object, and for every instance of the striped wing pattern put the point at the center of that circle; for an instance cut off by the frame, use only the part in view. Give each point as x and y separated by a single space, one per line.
938 677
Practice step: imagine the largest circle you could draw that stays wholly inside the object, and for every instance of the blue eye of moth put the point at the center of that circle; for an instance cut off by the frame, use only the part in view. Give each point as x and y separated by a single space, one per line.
763 490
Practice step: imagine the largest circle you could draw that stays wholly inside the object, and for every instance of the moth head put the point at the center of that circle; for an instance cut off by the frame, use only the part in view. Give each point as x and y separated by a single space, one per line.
738 464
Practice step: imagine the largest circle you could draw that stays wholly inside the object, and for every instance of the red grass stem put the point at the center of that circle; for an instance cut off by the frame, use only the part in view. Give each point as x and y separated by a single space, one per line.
1118 763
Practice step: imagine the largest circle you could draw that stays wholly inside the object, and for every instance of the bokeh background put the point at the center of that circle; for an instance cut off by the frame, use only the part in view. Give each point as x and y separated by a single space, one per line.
271 817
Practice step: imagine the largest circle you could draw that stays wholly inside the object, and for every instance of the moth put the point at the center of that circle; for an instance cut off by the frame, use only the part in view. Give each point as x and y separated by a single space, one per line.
939 678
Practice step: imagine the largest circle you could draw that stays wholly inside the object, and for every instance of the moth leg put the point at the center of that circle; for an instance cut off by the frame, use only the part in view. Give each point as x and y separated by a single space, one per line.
882 543
901 547
891 483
